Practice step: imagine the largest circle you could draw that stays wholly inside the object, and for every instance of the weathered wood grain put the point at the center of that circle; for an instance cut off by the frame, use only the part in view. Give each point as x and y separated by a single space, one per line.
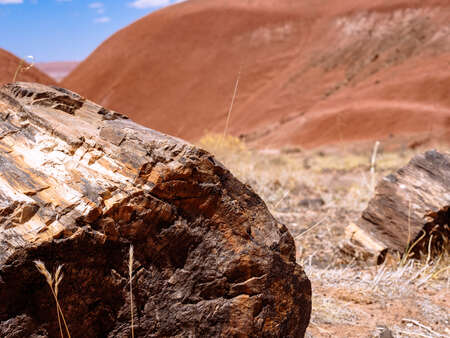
411 207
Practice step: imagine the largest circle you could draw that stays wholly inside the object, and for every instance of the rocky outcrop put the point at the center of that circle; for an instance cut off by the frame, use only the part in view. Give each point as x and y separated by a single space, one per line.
79 184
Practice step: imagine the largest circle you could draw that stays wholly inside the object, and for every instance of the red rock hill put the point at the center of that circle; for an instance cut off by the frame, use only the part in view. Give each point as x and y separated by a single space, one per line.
312 72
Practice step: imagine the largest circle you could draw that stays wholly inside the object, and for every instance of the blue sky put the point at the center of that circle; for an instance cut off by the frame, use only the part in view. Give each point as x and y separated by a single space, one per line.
66 30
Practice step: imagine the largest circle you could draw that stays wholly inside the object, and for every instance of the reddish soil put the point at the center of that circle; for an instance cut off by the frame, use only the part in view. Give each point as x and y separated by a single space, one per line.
57 70
8 67
312 72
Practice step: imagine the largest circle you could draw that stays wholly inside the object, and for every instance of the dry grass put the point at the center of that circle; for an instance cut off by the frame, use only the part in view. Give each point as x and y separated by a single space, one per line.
317 194
223 145
23 67
53 282
130 273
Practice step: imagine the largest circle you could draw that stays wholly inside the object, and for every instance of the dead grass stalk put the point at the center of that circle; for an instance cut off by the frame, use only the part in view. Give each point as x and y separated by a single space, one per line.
130 271
23 67
53 282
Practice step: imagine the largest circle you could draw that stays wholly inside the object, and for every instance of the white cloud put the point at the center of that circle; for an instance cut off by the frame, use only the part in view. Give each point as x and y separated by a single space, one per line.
149 3
103 19
96 5
7 2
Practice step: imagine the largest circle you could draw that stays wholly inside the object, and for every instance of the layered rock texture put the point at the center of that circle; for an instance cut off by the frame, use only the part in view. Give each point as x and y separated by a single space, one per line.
311 73
80 183
8 67
410 211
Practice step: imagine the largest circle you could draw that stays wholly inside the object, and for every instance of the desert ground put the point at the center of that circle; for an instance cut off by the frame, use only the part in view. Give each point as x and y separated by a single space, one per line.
316 194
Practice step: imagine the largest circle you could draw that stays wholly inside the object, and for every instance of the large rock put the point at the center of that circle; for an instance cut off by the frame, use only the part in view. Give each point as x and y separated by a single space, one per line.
79 184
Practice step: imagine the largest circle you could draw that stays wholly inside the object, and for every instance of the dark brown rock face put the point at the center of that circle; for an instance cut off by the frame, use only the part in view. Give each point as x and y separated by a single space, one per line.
79 184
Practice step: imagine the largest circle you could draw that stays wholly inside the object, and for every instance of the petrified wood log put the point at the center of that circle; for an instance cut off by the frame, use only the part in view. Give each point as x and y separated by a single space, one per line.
79 184
410 211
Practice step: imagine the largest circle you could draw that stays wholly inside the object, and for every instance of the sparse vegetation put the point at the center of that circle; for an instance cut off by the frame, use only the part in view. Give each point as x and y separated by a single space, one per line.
23 67
224 146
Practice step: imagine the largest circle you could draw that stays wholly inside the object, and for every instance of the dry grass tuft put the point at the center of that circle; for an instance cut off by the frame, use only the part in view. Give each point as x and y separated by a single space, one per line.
223 146
53 282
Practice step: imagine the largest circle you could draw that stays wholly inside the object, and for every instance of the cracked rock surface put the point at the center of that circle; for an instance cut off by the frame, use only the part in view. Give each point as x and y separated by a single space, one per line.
411 207
80 183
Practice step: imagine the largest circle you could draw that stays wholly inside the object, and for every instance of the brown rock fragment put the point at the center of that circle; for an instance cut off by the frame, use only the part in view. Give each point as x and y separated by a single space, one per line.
410 211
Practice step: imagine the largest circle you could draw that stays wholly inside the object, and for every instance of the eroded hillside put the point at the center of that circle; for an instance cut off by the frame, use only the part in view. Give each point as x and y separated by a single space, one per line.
310 73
